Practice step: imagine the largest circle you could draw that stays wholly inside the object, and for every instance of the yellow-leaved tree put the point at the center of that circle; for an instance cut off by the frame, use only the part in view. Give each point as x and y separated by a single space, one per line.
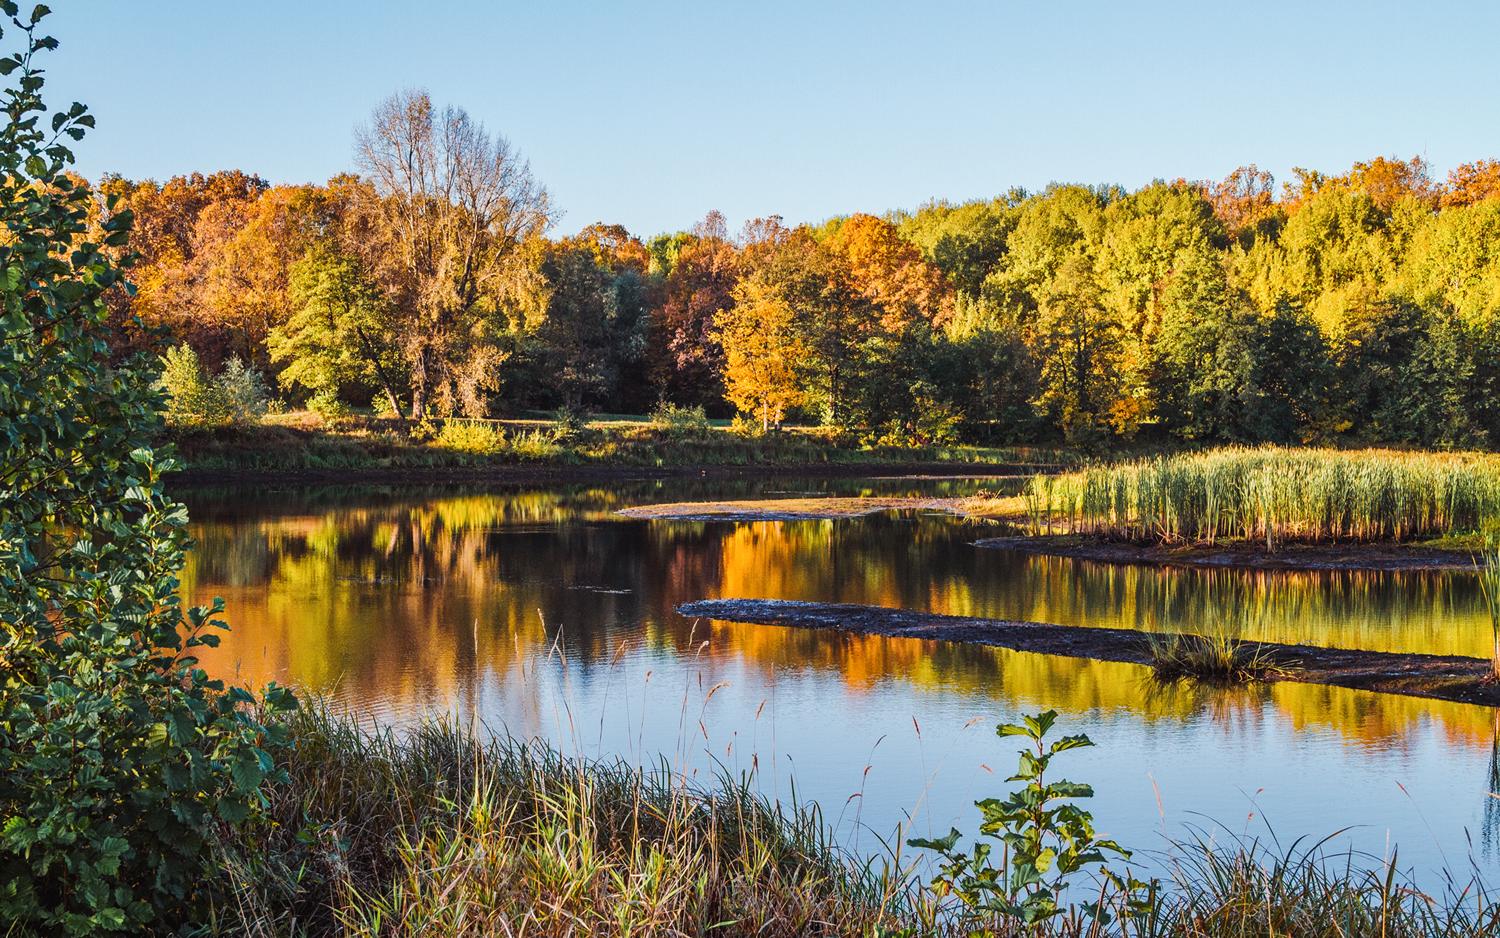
762 348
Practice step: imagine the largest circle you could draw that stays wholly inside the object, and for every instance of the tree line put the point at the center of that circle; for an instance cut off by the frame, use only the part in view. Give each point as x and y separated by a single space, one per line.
1360 306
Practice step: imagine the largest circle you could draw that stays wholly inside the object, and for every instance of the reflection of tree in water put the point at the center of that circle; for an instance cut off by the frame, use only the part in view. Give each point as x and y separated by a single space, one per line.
412 596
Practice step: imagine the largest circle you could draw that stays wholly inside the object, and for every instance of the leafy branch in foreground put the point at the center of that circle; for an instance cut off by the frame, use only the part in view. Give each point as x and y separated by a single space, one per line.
1047 842
119 757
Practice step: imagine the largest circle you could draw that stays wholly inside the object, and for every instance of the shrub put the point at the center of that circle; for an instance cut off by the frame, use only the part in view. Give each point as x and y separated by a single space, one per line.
536 445
568 423
236 395
677 421
470 436
327 405
118 756
243 391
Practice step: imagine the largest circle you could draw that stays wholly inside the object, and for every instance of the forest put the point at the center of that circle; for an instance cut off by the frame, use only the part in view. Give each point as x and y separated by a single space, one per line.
1358 307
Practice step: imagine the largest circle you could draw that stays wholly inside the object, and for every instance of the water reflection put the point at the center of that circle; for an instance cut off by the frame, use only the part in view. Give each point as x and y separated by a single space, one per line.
541 611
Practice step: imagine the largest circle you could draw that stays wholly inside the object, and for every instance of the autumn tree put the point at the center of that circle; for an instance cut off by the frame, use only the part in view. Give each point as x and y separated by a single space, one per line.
701 270
763 348
1245 203
891 274
181 224
453 204
1470 183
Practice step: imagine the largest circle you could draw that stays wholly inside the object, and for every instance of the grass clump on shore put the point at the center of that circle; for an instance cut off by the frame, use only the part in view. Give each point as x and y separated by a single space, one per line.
1214 658
1272 495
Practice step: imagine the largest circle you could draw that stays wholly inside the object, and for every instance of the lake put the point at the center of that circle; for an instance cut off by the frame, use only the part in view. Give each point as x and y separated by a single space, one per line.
536 610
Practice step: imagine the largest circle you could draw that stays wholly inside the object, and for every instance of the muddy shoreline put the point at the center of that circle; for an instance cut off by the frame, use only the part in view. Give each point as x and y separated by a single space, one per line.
1383 557
818 508
459 475
1437 677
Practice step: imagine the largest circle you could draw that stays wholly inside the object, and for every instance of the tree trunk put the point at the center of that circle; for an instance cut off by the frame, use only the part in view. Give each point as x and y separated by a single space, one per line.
419 380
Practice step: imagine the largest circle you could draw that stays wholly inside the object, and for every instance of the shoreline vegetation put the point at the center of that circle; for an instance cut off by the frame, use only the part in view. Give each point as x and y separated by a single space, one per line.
1438 677
435 832
301 447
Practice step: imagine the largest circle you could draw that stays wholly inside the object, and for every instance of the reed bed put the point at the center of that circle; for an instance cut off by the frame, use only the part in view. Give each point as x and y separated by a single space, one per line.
1273 495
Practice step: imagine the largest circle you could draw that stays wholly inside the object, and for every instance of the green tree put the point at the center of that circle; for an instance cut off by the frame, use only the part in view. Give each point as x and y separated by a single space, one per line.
341 331
1079 346
117 754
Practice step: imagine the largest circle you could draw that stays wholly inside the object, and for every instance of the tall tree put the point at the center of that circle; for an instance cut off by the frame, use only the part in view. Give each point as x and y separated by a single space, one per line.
1080 350
698 287
454 203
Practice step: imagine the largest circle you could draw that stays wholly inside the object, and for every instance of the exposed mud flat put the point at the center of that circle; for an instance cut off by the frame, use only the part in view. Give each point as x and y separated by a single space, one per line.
1389 557
1440 677
785 509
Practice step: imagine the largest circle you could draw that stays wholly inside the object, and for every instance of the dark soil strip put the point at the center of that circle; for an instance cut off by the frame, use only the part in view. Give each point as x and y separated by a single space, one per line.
1435 676
1255 556
561 473
783 509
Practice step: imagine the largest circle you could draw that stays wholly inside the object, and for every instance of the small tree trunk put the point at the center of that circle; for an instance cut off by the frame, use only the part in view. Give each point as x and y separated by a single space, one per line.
419 378
390 395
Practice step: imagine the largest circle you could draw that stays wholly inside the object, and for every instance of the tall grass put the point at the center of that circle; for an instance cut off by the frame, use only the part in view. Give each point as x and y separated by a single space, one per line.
1273 495
436 833
1216 657
1488 568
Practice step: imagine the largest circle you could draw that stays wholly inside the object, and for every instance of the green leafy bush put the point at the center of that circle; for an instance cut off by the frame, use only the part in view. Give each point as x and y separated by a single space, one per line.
236 395
682 422
329 407
118 755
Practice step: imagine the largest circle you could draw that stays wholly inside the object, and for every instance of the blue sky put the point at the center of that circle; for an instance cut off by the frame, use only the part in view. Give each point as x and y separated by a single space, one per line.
650 114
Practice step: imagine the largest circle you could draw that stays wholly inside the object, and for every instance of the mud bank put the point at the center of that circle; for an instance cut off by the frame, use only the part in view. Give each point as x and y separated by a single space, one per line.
1388 557
1440 677
784 509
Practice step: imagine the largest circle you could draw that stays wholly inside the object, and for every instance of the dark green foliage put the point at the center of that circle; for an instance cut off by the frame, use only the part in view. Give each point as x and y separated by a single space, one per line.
118 757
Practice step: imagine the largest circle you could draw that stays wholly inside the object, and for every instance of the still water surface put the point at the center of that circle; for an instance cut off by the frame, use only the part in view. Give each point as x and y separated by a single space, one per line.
539 612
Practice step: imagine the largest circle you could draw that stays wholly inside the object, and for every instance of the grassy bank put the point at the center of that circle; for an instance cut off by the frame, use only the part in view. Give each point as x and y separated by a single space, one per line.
301 442
433 834
1272 496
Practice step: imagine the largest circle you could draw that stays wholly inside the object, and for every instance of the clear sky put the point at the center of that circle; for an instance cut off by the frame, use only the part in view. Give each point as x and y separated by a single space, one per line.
650 114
